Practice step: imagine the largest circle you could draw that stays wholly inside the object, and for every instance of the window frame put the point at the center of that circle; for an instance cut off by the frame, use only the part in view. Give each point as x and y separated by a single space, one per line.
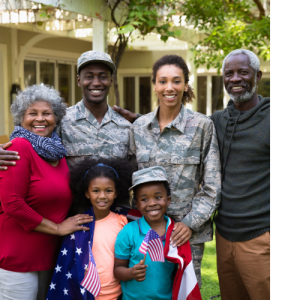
56 60
136 73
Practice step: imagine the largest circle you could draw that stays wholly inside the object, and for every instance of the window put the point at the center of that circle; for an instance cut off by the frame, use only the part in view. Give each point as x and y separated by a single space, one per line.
137 93
129 93
145 94
210 94
201 97
62 76
217 93
264 87
64 81
29 72
47 73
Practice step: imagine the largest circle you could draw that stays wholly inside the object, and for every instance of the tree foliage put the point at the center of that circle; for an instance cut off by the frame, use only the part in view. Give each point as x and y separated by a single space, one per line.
227 25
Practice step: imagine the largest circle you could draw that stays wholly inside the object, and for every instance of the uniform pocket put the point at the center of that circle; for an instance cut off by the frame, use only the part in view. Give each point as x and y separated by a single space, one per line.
186 157
120 150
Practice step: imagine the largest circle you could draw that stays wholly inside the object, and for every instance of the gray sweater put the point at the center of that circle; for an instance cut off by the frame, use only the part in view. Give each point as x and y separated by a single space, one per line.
244 142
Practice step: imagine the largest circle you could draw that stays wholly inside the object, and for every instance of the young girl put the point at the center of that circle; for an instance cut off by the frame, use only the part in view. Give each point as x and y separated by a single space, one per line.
95 185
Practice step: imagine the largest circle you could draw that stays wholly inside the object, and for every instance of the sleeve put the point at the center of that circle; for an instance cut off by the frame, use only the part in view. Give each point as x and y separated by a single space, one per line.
122 220
123 244
58 130
132 148
14 184
207 200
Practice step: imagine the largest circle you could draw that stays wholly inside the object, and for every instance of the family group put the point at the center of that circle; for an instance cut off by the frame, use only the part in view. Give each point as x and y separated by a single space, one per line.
93 176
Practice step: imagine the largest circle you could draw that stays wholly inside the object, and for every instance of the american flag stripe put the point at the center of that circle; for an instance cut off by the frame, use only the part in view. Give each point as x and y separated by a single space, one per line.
143 248
152 243
91 280
156 250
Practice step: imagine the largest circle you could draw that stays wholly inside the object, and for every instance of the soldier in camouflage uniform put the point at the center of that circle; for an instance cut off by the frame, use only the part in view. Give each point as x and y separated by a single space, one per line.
188 150
82 132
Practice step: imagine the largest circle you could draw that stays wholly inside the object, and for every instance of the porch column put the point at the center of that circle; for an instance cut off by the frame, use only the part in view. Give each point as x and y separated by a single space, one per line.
100 35
209 95
193 78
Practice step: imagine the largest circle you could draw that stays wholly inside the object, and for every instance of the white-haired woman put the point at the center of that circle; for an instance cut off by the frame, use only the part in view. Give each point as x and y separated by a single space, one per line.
34 197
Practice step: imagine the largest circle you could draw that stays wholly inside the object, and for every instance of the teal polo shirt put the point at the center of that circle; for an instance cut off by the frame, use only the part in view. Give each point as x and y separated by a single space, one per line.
158 282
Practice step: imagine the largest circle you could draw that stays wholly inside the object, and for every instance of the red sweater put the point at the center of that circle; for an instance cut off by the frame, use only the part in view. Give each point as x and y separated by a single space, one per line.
30 191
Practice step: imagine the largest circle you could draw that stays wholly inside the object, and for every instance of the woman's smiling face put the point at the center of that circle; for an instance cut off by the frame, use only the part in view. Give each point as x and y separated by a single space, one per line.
39 119
170 86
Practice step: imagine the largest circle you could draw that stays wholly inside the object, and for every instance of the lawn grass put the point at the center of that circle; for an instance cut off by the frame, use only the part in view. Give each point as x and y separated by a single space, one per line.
210 282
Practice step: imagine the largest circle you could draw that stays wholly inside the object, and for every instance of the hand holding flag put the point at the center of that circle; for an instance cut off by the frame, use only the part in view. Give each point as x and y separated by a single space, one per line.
91 280
139 271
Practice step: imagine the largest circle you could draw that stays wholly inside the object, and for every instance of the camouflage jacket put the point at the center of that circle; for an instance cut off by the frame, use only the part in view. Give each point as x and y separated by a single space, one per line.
188 150
82 135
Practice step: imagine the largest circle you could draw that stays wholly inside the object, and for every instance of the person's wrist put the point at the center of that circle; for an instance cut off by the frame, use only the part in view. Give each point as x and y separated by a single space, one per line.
58 230
131 274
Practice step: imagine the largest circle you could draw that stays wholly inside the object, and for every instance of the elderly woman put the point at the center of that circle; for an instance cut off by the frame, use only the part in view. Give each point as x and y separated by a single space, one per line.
34 197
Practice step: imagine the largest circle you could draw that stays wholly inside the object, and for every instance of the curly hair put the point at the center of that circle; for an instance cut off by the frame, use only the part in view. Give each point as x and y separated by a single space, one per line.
177 61
80 180
34 94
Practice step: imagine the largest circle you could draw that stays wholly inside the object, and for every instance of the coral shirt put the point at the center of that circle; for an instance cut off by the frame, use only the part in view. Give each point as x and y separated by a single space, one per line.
105 235
30 191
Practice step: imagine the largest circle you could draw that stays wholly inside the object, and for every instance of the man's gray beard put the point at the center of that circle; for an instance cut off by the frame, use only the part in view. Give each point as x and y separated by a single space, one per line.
246 97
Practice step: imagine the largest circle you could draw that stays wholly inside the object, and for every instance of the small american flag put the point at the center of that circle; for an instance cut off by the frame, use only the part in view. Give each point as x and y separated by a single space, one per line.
152 243
91 280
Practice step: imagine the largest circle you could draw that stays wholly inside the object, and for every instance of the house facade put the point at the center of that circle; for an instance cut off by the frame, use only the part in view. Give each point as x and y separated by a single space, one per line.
35 50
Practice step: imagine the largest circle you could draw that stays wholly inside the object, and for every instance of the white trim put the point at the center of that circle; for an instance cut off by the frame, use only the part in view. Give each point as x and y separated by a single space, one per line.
136 94
73 81
56 85
53 54
38 73
209 95
4 93
14 54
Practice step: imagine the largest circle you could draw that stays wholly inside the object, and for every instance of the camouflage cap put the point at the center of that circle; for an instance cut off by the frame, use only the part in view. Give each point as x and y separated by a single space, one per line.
95 56
155 173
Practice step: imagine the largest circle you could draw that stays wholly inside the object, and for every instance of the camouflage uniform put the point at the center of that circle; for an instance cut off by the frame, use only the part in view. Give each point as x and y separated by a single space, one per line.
188 150
82 135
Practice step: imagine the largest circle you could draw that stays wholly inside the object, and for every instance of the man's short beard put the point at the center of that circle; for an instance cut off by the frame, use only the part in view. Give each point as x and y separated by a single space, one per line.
247 96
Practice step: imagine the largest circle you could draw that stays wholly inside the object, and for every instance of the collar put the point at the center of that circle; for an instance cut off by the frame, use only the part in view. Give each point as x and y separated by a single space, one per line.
145 227
83 113
179 122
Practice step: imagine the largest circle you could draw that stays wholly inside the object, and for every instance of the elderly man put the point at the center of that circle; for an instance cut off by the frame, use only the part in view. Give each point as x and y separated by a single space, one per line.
90 127
243 219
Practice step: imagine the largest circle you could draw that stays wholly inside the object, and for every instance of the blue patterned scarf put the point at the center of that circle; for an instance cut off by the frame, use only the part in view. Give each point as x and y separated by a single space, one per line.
50 149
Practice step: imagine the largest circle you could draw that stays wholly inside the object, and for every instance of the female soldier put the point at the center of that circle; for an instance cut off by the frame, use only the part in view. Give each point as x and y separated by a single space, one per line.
184 142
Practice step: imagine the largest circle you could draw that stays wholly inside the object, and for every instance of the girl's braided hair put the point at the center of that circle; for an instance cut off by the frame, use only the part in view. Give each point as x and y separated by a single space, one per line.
80 180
